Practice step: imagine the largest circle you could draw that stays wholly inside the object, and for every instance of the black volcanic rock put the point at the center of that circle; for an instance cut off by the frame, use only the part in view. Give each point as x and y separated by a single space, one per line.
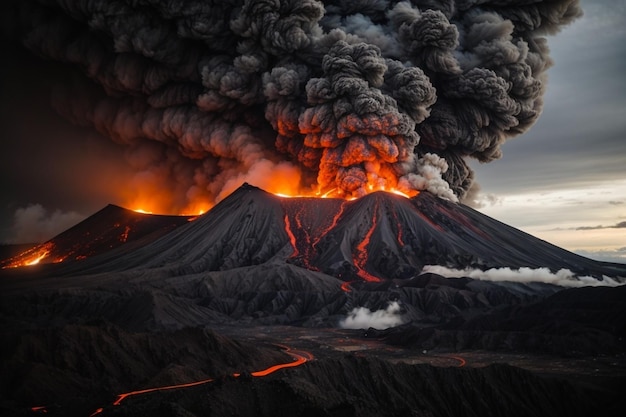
572 322
352 386
109 228
264 269
379 236
96 360
247 228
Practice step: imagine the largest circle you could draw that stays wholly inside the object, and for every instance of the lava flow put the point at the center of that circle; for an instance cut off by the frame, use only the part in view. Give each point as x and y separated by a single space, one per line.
300 357
32 256
360 257
292 237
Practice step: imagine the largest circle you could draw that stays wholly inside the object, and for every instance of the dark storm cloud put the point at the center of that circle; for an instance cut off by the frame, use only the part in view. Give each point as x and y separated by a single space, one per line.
348 93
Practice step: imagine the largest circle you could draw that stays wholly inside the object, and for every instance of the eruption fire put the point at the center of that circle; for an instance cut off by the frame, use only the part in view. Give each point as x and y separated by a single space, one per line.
32 256
298 97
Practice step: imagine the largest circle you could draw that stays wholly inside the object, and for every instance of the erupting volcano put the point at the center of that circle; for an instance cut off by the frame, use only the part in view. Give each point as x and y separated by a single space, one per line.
336 98
258 262
360 297
381 236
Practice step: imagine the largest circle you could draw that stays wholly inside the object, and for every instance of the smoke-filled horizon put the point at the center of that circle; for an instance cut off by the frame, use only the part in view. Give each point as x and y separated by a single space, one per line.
310 95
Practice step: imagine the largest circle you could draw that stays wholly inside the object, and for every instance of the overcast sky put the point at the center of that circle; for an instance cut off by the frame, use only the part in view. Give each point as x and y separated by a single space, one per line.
564 181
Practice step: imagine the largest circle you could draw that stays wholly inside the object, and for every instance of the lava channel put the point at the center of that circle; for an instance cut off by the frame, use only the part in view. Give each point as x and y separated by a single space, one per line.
299 357
360 258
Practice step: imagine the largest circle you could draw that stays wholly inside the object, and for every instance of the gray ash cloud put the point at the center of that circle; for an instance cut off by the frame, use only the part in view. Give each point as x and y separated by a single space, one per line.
338 94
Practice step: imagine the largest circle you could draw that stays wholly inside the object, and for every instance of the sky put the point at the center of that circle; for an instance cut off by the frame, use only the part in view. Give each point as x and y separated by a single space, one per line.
563 181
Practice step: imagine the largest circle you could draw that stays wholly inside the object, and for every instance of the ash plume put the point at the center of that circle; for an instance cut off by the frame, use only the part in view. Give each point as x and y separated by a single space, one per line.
332 94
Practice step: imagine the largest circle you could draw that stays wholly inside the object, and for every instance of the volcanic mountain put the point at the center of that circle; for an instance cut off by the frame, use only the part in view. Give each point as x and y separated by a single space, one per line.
107 229
377 237
193 316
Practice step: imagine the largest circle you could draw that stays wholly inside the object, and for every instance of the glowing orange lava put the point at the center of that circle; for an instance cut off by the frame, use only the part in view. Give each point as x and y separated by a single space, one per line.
292 237
281 184
32 256
142 211
360 258
332 224
299 358
124 235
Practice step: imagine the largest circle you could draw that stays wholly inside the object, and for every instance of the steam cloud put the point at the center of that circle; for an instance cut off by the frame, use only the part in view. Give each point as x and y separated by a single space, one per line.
34 224
563 277
364 318
337 94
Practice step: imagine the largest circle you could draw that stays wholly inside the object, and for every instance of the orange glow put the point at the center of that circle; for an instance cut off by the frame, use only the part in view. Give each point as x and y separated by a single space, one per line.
124 235
360 258
32 256
345 287
155 206
299 357
279 181
196 208
337 193
292 237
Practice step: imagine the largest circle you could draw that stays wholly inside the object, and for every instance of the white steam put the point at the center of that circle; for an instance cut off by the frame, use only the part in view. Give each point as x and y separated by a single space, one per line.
364 318
34 224
563 277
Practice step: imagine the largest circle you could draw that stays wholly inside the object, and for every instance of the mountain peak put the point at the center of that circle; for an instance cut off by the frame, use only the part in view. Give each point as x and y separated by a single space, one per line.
377 237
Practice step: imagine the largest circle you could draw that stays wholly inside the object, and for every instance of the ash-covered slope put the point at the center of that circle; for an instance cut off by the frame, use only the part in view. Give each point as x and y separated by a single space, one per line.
109 228
81 332
387 236
247 228
379 236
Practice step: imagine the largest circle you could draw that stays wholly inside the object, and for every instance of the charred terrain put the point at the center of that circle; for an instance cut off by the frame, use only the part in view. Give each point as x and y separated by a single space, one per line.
245 303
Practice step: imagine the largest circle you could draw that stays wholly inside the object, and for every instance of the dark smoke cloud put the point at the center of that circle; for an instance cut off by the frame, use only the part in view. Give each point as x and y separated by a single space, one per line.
333 94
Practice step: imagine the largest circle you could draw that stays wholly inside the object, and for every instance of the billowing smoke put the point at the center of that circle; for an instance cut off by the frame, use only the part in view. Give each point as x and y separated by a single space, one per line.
364 318
345 95
563 277
35 224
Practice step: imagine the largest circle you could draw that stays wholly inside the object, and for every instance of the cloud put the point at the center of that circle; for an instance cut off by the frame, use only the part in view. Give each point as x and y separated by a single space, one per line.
475 199
615 255
619 225
563 277
34 224
364 318
387 94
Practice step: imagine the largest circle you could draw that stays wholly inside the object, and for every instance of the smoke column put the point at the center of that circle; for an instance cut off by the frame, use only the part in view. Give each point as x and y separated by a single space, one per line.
332 95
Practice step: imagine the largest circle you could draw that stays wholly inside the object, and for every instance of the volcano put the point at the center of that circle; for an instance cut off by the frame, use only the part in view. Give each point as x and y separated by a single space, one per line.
381 236
191 315
107 229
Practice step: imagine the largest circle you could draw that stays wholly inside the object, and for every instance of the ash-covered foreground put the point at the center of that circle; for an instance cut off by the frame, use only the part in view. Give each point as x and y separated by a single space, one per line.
228 293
